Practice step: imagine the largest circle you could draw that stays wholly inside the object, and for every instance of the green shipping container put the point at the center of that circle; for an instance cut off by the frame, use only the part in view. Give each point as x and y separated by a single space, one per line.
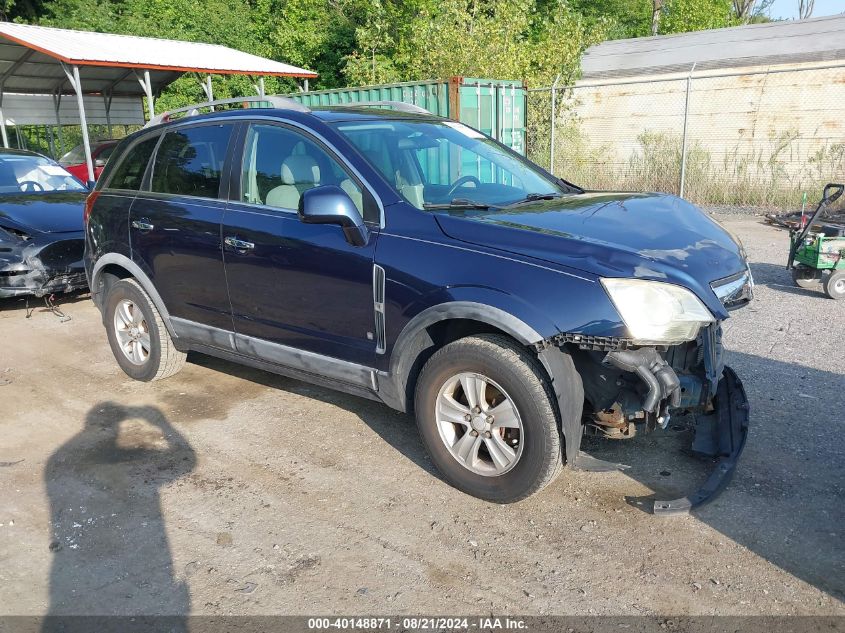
493 106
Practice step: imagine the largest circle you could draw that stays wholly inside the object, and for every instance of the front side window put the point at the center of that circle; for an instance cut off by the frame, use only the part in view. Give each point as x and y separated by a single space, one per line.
280 164
129 173
189 161
21 173
438 163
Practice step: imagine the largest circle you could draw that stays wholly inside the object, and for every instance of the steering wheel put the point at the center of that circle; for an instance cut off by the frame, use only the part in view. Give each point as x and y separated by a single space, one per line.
30 185
460 182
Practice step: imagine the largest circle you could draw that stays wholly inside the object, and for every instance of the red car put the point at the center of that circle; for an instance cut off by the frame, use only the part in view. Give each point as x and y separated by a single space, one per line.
74 160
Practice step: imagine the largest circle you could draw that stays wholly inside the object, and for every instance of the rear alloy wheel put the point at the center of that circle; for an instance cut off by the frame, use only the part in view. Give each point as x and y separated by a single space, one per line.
834 284
487 417
132 332
137 335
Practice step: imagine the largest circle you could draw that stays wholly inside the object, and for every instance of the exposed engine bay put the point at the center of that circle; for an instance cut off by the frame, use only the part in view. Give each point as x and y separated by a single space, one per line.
630 390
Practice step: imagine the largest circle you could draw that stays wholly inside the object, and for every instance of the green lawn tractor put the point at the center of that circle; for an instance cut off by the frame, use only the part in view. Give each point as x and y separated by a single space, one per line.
817 250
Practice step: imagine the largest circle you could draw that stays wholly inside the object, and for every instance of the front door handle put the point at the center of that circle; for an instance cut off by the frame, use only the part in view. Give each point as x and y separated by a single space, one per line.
143 225
238 245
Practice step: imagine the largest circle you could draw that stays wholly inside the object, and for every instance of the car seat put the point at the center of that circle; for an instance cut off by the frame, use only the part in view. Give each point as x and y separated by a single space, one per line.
299 173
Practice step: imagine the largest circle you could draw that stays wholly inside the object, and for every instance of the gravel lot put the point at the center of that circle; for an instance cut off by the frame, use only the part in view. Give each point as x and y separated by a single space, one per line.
226 490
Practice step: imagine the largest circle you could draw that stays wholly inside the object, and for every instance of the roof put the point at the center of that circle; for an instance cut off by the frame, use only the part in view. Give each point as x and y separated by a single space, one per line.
786 42
29 56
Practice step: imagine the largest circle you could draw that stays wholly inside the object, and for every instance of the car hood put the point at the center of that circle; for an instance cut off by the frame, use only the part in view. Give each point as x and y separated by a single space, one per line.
58 212
653 236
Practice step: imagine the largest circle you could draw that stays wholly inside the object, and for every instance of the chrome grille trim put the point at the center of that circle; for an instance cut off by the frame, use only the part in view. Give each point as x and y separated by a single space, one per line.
735 291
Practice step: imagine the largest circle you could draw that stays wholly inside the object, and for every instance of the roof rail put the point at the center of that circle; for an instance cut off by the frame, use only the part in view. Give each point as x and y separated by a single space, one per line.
283 103
399 106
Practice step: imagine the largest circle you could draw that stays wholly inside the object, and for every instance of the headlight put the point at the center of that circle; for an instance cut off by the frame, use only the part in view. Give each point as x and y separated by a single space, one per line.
657 313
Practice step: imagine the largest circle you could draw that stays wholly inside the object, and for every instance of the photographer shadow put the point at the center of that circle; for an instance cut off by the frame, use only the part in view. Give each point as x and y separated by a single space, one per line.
104 487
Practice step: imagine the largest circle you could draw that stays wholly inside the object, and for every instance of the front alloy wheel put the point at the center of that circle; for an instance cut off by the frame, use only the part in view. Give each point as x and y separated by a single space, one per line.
488 417
479 424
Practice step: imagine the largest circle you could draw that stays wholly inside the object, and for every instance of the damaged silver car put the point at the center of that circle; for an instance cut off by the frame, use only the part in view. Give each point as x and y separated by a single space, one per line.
41 226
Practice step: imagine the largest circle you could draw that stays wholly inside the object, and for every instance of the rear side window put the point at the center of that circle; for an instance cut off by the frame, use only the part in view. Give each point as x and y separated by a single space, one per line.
130 172
190 161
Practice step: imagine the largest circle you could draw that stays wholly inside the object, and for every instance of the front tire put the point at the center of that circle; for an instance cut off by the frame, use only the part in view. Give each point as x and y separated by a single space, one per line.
488 418
137 335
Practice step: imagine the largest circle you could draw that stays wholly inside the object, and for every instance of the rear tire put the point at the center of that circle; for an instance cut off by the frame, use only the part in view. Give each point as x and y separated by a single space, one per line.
511 447
137 335
834 284
805 277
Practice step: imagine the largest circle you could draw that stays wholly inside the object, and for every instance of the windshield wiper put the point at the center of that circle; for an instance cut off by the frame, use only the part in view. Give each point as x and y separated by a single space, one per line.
459 203
533 197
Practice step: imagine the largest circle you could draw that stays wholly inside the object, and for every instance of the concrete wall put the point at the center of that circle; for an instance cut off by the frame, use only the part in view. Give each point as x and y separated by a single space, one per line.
755 125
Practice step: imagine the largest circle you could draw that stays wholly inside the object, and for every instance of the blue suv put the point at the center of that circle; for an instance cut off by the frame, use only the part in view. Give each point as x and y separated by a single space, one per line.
407 258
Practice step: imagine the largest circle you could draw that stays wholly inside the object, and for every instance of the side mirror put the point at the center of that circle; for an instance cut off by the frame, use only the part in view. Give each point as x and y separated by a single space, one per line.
330 204
100 162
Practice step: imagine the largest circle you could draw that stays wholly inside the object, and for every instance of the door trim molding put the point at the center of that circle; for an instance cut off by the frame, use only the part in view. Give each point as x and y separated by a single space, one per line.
302 361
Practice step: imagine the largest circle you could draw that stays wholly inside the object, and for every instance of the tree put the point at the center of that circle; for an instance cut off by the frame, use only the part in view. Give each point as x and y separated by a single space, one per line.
744 9
656 10
805 8
508 39
681 16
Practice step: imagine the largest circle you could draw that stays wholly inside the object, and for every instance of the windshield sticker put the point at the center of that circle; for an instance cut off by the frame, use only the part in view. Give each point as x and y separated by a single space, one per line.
463 129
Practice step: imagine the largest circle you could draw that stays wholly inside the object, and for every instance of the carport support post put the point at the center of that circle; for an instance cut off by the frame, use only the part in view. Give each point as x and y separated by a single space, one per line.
73 77
3 121
684 138
57 102
147 85
107 102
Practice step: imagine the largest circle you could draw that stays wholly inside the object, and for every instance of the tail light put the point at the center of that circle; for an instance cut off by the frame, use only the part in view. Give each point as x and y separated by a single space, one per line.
89 205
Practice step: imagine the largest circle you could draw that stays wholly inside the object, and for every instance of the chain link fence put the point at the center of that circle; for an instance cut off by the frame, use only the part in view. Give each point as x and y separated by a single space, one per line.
758 139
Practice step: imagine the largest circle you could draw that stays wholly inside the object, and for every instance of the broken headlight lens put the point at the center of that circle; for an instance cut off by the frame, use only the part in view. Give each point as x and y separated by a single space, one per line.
657 313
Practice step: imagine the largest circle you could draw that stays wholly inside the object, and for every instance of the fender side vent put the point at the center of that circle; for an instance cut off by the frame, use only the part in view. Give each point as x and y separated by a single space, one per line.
378 307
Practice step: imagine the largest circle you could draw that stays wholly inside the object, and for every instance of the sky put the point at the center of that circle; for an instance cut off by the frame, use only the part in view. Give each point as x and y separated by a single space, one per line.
789 8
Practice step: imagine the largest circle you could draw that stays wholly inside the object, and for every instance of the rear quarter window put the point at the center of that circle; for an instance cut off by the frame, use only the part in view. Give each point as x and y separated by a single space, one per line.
129 173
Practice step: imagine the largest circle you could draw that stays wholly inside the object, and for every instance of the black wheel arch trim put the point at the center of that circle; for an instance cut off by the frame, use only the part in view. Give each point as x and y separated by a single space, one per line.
139 275
411 341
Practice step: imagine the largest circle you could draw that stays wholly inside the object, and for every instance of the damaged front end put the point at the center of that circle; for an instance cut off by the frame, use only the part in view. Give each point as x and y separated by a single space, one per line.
40 264
630 387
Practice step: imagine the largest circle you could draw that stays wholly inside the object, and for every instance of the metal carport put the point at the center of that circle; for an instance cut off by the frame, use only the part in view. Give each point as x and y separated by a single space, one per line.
57 62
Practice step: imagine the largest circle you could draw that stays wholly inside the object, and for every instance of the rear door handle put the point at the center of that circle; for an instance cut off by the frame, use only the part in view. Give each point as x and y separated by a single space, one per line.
142 225
238 245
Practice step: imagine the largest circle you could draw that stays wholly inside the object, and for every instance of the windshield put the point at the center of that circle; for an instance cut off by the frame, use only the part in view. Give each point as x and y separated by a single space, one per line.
20 173
74 156
433 164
